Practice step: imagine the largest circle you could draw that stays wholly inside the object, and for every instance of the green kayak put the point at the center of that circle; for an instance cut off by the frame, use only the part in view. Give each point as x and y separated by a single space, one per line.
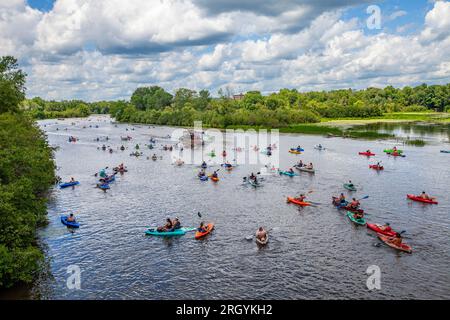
361 221
349 187
177 232
392 150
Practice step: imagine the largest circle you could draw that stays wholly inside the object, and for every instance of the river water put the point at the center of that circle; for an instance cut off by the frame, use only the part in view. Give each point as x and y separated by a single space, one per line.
313 252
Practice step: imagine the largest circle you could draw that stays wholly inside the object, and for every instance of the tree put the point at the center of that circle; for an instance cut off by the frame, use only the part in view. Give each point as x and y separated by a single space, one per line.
12 84
151 98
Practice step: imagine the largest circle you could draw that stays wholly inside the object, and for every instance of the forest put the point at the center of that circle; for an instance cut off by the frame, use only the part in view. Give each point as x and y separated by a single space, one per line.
26 174
155 105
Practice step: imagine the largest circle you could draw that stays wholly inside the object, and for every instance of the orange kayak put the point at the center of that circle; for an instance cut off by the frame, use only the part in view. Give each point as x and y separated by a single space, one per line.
404 247
209 228
215 179
297 202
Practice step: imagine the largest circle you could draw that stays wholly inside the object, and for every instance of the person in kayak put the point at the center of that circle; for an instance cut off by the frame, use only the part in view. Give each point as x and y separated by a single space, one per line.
396 240
385 227
291 171
103 147
252 176
176 224
269 148
310 166
301 198
103 173
394 149
71 218
224 153
204 165
202 228
72 179
354 204
111 150
425 196
300 164
261 234
166 227
350 184
137 147
368 151
202 173
299 148
122 148
214 174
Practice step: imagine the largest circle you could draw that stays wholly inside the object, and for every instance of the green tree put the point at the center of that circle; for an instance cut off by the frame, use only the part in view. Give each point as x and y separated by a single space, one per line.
12 84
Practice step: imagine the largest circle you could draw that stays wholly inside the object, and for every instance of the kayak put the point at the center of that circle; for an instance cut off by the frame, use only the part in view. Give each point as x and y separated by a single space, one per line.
297 202
297 149
305 169
445 151
215 179
108 179
177 232
415 198
395 154
295 152
346 207
209 228
349 187
263 242
366 154
374 166
360 221
403 247
211 154
287 173
203 178
104 186
69 224
254 184
68 184
319 148
376 227
392 150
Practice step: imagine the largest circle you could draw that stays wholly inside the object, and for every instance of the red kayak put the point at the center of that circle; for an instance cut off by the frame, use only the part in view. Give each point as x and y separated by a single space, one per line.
366 154
387 240
298 202
376 227
374 166
415 198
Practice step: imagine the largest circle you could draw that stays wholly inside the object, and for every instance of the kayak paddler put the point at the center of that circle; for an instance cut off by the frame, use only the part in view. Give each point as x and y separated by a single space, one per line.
261 234
122 148
291 170
300 164
71 218
350 184
385 227
72 179
425 196
202 173
202 227
310 166
354 204
252 176
166 227
301 198
176 224
214 175
396 240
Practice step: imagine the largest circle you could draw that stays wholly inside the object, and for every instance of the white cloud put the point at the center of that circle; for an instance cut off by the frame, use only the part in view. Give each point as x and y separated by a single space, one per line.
105 49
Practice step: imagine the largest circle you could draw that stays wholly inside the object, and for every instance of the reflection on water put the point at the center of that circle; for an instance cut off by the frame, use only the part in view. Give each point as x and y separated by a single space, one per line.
313 253
413 130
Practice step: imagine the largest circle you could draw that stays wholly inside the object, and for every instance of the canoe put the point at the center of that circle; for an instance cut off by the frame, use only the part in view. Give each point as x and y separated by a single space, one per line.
349 187
68 223
69 184
376 227
392 150
368 154
305 169
445 151
374 166
297 202
287 173
415 198
209 228
177 232
262 243
404 247
294 152
361 221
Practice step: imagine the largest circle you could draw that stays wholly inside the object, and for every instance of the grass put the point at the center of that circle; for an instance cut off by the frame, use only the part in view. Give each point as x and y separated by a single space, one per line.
436 117
415 142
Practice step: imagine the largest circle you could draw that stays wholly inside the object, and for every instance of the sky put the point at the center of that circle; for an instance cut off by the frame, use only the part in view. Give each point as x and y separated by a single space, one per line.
104 49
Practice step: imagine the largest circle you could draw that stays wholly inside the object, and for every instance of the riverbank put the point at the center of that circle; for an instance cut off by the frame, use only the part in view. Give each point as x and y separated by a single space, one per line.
26 174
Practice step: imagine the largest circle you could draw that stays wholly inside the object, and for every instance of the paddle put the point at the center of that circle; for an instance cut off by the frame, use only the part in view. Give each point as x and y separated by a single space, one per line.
365 197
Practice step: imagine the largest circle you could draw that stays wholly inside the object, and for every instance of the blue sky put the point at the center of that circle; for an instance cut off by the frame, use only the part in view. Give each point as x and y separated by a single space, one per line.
104 49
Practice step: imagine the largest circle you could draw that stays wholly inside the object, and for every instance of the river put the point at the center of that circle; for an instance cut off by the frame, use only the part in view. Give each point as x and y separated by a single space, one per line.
313 252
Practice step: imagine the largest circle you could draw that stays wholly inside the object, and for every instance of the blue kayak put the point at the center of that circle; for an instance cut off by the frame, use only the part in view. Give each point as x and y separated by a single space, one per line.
68 184
203 178
297 149
445 151
109 179
287 173
177 232
104 186
69 223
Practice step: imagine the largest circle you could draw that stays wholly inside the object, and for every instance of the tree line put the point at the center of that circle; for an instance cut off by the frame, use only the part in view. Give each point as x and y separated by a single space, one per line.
26 174
155 105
